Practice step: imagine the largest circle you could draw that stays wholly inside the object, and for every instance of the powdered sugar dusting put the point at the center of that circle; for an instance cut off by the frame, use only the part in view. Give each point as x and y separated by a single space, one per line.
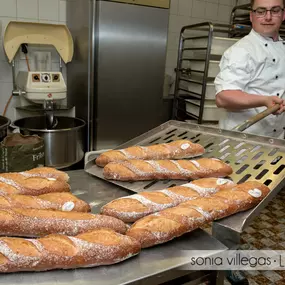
134 169
196 163
202 191
46 175
37 244
41 203
175 197
125 153
33 226
157 167
182 149
151 236
17 259
85 254
205 214
149 204
158 171
181 169
11 183
152 207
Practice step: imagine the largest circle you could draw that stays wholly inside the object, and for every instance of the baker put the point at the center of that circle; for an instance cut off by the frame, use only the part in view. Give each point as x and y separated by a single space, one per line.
252 78
252 73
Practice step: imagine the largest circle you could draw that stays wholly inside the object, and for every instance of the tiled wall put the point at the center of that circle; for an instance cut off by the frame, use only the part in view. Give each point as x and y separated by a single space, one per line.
43 11
187 12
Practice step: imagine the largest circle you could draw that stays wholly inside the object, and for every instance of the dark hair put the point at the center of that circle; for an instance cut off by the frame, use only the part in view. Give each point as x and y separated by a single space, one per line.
252 3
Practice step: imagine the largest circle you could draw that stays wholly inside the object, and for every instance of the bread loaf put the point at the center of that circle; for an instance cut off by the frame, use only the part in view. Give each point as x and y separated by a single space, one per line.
16 183
135 170
170 223
35 223
51 201
131 208
174 150
95 248
47 172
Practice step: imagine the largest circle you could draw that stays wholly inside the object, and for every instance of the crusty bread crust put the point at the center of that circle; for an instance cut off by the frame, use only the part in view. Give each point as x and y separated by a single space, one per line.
16 183
61 201
178 149
47 172
133 207
35 223
174 222
95 248
135 170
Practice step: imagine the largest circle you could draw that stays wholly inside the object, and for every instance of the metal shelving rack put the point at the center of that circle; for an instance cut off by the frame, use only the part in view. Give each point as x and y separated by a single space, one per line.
190 53
240 21
196 45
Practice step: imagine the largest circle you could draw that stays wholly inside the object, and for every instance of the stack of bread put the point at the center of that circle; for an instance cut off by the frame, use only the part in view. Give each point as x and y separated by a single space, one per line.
38 203
162 215
45 227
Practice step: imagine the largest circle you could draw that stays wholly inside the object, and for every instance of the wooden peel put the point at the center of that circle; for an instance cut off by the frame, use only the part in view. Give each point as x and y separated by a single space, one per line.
246 124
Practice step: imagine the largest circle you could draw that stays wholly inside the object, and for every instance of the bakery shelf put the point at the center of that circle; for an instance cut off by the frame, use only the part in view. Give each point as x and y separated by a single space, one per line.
200 49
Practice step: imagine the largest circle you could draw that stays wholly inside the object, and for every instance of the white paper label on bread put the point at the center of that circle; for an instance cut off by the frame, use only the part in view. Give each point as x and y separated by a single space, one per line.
222 181
256 193
185 146
51 179
68 206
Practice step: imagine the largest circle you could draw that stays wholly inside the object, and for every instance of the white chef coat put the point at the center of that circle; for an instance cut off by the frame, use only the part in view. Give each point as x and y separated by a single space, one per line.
255 65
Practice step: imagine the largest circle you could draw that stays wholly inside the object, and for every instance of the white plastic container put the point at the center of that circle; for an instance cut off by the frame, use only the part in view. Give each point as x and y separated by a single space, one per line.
213 70
197 88
211 111
219 44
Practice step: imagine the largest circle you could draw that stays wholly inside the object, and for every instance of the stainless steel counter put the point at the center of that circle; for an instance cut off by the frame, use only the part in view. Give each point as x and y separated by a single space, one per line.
153 266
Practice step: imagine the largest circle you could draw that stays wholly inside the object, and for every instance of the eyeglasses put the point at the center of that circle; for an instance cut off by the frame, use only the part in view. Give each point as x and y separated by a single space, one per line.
274 11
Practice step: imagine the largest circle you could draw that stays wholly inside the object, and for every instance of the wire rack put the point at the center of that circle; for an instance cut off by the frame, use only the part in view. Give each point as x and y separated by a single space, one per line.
251 157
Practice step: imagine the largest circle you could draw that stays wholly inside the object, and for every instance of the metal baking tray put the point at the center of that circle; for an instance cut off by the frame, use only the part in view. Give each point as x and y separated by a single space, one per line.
251 157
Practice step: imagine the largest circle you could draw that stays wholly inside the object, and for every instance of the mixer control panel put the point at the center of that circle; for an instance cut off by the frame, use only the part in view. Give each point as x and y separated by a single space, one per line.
36 77
46 77
42 85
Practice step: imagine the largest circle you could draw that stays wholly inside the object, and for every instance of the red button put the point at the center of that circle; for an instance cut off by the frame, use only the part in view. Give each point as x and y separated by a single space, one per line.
49 95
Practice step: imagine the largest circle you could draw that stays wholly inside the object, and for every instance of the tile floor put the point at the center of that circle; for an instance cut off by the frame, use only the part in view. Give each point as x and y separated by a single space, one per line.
266 232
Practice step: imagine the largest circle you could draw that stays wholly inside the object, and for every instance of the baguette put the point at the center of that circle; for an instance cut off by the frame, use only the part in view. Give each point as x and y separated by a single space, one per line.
131 208
51 201
35 223
174 150
16 183
47 172
174 222
95 248
135 170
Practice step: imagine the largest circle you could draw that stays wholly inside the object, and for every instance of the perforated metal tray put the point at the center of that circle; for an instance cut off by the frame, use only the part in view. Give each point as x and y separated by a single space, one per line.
251 157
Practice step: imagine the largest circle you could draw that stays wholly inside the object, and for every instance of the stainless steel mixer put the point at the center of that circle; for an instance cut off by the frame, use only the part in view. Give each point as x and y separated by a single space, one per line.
64 142
42 93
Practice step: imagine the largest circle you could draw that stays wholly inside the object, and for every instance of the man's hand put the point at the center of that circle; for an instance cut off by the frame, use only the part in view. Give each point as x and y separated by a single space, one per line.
235 100
272 100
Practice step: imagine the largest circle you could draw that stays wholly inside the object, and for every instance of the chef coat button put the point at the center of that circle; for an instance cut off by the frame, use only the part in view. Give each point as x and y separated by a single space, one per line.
274 130
273 59
276 77
278 94
266 45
